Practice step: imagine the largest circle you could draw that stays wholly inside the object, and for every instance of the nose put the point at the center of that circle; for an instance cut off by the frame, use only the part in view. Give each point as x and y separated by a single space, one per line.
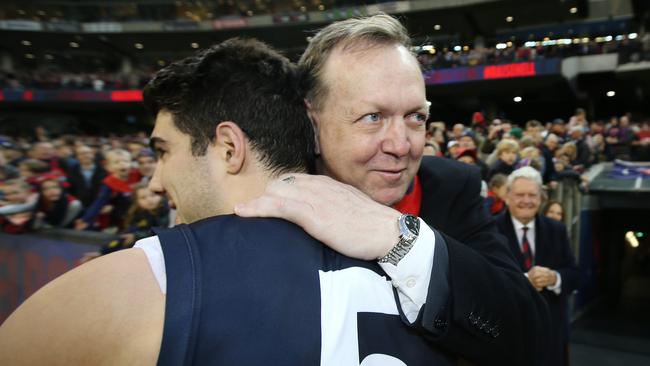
155 185
396 140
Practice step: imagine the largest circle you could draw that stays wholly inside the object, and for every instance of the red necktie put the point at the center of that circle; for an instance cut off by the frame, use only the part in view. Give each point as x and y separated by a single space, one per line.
525 250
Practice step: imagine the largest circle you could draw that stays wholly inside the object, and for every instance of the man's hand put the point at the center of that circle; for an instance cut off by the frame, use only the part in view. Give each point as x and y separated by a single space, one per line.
339 215
541 277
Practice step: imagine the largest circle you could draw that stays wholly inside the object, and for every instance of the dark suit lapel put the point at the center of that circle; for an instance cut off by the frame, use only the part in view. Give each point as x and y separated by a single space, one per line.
513 241
429 186
540 239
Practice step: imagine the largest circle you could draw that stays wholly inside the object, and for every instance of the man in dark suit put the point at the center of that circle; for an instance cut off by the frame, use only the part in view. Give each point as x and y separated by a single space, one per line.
86 177
541 246
461 290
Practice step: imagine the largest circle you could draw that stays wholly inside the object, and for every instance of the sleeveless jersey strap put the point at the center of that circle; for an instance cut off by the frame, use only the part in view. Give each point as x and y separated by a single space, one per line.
183 300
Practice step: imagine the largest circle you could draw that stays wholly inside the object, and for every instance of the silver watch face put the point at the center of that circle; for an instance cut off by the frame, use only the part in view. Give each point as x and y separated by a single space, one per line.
410 226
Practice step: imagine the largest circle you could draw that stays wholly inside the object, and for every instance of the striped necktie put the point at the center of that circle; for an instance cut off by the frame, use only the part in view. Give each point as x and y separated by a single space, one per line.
525 250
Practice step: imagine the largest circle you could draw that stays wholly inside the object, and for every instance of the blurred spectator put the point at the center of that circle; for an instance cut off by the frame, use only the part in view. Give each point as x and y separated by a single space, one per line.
54 207
31 169
495 200
146 160
467 141
114 197
534 131
548 149
582 158
553 210
431 149
148 210
558 127
457 131
579 119
44 151
494 134
641 143
530 156
452 149
506 153
16 206
7 171
86 177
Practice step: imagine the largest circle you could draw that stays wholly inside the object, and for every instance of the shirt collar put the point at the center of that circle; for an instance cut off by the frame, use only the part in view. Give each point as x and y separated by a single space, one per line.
519 226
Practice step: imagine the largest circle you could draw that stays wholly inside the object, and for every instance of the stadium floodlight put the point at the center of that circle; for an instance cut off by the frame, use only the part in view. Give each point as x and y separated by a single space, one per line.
608 38
631 239
632 35
517 99
611 93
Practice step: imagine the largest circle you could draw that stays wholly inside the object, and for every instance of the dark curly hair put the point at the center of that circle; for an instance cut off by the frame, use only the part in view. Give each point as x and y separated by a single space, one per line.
244 81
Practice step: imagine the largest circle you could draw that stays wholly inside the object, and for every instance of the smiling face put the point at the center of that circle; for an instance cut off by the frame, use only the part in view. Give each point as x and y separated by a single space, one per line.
371 128
118 163
524 199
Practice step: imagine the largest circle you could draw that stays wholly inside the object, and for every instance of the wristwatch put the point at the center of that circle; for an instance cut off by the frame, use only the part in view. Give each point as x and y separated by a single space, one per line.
409 229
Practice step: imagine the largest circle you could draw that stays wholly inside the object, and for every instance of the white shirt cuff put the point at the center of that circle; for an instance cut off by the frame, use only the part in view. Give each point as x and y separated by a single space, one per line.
557 287
412 274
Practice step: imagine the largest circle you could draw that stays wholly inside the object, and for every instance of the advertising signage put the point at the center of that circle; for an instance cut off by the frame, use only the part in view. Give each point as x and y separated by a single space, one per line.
503 71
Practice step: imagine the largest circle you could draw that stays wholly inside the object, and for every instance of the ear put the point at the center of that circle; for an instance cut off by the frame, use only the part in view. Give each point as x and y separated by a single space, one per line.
231 145
314 124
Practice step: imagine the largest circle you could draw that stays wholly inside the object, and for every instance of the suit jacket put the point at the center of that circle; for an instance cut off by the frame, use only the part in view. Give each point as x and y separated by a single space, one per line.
552 250
490 313
78 187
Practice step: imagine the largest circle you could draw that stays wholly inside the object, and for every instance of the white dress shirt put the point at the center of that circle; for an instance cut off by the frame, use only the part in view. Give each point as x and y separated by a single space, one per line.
530 235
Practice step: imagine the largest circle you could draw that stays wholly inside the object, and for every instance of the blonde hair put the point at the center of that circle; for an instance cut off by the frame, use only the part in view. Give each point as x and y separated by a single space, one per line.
110 154
507 146
377 30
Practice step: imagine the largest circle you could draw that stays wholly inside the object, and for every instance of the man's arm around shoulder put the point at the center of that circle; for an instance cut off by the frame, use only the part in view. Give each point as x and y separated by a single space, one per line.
109 311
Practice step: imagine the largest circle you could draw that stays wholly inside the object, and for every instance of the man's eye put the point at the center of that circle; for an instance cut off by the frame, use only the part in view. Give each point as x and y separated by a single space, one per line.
417 117
371 117
159 153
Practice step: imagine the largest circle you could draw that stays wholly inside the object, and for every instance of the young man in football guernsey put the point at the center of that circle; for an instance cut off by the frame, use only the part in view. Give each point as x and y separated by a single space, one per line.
224 290
464 292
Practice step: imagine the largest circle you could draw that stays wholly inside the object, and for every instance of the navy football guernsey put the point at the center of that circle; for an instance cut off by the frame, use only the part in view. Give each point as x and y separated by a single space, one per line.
262 292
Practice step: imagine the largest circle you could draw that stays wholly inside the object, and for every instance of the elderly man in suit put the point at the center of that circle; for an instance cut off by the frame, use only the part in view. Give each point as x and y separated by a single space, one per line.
541 247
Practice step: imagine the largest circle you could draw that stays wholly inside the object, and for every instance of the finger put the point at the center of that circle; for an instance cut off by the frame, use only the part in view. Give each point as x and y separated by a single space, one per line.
278 207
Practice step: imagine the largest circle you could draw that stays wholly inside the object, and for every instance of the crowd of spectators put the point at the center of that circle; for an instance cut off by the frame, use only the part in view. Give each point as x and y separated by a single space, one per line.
630 50
53 79
558 149
80 183
100 184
